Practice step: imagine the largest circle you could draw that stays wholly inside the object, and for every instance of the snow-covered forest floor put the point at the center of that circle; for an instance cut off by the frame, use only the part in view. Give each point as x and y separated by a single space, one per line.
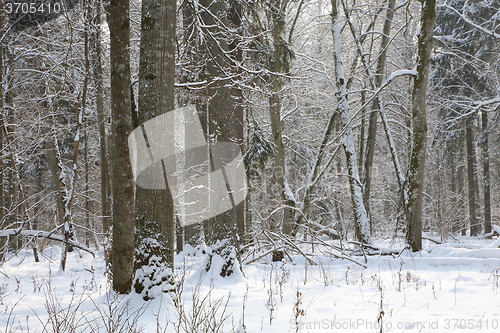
448 287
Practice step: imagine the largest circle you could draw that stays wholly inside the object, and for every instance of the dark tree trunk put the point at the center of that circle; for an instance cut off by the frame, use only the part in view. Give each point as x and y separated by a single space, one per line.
121 177
416 170
220 231
235 16
486 173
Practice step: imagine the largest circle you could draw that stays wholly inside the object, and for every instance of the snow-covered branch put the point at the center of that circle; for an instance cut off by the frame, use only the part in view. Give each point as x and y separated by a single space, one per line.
472 23
43 234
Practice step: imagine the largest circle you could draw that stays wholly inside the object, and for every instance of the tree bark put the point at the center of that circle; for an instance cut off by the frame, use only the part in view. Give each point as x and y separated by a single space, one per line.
220 231
486 173
471 177
103 153
121 177
3 240
416 170
155 208
361 222
280 64
373 119
235 17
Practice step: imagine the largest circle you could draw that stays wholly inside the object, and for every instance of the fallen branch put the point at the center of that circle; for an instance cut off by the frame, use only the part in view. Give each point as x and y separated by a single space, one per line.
43 234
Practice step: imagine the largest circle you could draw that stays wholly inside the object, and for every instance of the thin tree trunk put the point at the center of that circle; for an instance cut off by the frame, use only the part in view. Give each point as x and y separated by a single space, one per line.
486 173
3 240
70 195
121 177
58 185
376 105
235 16
280 64
471 177
361 222
461 172
103 154
9 131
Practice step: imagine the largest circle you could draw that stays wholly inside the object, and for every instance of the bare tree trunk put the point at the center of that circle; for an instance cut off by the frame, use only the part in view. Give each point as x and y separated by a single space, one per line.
58 186
88 204
461 172
9 131
486 173
361 222
235 16
103 154
121 177
280 64
155 208
70 195
3 240
377 82
471 176
221 231
416 169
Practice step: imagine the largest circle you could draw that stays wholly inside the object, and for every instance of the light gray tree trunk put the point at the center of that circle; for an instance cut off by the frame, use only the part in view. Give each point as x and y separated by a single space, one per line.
155 208
361 222
471 177
376 105
103 151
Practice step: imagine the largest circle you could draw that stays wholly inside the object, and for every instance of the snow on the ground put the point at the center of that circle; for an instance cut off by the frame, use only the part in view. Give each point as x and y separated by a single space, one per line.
448 287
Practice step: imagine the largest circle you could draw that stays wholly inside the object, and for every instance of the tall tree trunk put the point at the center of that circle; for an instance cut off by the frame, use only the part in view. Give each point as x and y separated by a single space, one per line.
373 119
70 193
3 240
220 231
361 222
280 64
461 172
193 233
9 131
121 177
471 177
486 173
416 170
155 208
103 154
235 17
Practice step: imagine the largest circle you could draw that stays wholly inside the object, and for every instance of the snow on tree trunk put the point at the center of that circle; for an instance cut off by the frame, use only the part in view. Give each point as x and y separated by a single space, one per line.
415 184
155 207
220 231
280 64
361 222
70 195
